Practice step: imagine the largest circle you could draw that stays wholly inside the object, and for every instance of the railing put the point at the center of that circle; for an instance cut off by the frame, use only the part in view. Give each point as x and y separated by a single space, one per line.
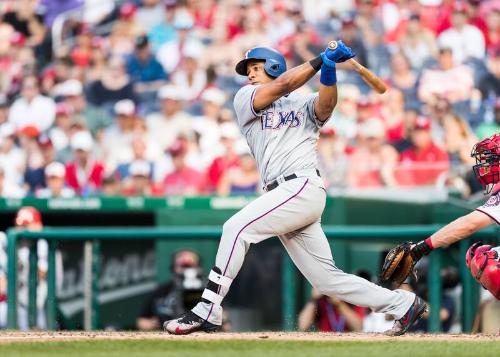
93 237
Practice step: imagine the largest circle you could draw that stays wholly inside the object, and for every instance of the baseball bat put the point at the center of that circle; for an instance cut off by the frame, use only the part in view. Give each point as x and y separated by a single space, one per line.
368 76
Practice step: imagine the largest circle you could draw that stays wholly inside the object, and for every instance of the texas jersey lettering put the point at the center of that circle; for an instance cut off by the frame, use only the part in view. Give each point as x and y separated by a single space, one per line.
291 119
274 132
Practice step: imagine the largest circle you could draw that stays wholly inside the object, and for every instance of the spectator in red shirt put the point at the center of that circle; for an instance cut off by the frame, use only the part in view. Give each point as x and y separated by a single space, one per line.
492 31
183 180
205 14
372 162
139 182
84 174
229 133
476 15
425 162
240 180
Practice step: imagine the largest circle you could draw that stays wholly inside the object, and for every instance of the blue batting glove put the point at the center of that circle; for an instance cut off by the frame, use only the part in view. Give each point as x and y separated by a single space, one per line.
326 61
341 54
328 76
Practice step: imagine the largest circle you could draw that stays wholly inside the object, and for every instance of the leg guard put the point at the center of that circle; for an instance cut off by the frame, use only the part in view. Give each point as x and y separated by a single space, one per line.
212 293
485 268
209 308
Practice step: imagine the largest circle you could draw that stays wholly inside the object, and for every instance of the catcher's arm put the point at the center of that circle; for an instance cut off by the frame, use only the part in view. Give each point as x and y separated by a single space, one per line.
460 229
399 263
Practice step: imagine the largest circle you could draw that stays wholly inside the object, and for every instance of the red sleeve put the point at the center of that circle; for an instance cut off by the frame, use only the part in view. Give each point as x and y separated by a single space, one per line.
97 175
71 179
214 173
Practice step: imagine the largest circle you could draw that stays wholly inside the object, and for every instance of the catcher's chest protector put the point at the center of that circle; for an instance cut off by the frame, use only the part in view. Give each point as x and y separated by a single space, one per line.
485 268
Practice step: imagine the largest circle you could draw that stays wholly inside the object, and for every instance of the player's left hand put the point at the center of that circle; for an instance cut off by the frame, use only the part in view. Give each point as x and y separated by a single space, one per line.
341 54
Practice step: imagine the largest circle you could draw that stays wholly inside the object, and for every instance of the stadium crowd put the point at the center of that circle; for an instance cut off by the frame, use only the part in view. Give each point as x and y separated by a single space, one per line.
103 97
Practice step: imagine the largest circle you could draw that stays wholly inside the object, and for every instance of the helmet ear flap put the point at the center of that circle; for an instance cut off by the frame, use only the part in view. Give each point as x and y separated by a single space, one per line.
273 68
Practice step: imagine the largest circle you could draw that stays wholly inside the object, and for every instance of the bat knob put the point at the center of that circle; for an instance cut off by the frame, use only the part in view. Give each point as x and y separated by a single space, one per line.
332 45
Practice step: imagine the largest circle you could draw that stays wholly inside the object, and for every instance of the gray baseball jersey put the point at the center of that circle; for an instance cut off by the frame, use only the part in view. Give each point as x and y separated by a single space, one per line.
283 136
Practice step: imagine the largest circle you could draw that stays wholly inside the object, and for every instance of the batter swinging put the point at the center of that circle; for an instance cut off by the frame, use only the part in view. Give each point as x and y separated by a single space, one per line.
282 128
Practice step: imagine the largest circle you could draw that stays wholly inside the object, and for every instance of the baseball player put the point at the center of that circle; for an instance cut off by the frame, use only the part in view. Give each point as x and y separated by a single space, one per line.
28 218
282 128
482 260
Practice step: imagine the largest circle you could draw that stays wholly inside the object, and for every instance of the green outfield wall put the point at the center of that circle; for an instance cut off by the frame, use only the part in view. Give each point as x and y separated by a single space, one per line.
124 291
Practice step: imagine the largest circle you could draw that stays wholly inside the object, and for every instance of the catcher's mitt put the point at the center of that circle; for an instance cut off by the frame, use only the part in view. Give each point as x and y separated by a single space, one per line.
398 264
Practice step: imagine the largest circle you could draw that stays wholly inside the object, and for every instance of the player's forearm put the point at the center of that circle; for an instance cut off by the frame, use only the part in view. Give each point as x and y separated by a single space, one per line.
460 229
327 99
306 316
326 102
453 232
295 78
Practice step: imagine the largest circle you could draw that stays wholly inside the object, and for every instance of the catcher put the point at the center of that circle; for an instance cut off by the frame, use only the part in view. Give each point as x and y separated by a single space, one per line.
482 260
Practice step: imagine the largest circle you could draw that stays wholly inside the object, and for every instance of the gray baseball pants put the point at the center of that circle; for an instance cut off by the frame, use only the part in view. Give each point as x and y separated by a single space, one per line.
292 211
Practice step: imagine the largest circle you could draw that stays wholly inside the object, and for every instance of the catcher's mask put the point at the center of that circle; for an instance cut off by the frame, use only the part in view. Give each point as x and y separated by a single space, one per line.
487 155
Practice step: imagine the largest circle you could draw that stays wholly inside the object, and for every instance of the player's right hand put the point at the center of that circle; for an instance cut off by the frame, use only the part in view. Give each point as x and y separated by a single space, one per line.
341 54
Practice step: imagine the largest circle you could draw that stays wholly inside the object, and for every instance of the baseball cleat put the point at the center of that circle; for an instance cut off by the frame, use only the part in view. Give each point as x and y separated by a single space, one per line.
188 323
415 312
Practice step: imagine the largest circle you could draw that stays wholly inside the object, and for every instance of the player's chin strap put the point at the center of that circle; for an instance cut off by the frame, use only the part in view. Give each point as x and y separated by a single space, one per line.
215 281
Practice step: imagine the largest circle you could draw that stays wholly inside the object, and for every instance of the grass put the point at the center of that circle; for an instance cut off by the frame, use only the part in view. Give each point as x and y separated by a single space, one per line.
239 348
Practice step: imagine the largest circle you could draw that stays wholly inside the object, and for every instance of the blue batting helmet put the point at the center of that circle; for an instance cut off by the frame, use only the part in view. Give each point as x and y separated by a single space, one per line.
274 66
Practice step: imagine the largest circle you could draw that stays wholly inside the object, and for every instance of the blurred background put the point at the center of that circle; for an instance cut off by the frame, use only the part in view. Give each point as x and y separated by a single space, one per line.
119 113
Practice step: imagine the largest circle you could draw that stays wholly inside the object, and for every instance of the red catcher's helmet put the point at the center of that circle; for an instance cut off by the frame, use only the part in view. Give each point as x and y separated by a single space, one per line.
28 215
485 268
476 248
487 155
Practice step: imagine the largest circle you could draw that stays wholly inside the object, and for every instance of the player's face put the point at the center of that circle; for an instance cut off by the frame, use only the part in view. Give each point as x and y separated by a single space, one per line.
256 73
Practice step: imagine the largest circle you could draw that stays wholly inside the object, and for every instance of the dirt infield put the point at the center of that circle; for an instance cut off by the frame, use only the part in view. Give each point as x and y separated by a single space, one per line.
14 336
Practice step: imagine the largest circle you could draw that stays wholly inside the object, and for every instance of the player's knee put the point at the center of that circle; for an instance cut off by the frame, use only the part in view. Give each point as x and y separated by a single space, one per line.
230 228
234 229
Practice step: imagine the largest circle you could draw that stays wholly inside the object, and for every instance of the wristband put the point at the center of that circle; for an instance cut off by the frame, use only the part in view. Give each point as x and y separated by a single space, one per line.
328 75
420 249
316 63
429 242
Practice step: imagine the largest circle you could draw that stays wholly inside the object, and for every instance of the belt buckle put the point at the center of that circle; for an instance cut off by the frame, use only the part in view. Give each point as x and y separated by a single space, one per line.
280 179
